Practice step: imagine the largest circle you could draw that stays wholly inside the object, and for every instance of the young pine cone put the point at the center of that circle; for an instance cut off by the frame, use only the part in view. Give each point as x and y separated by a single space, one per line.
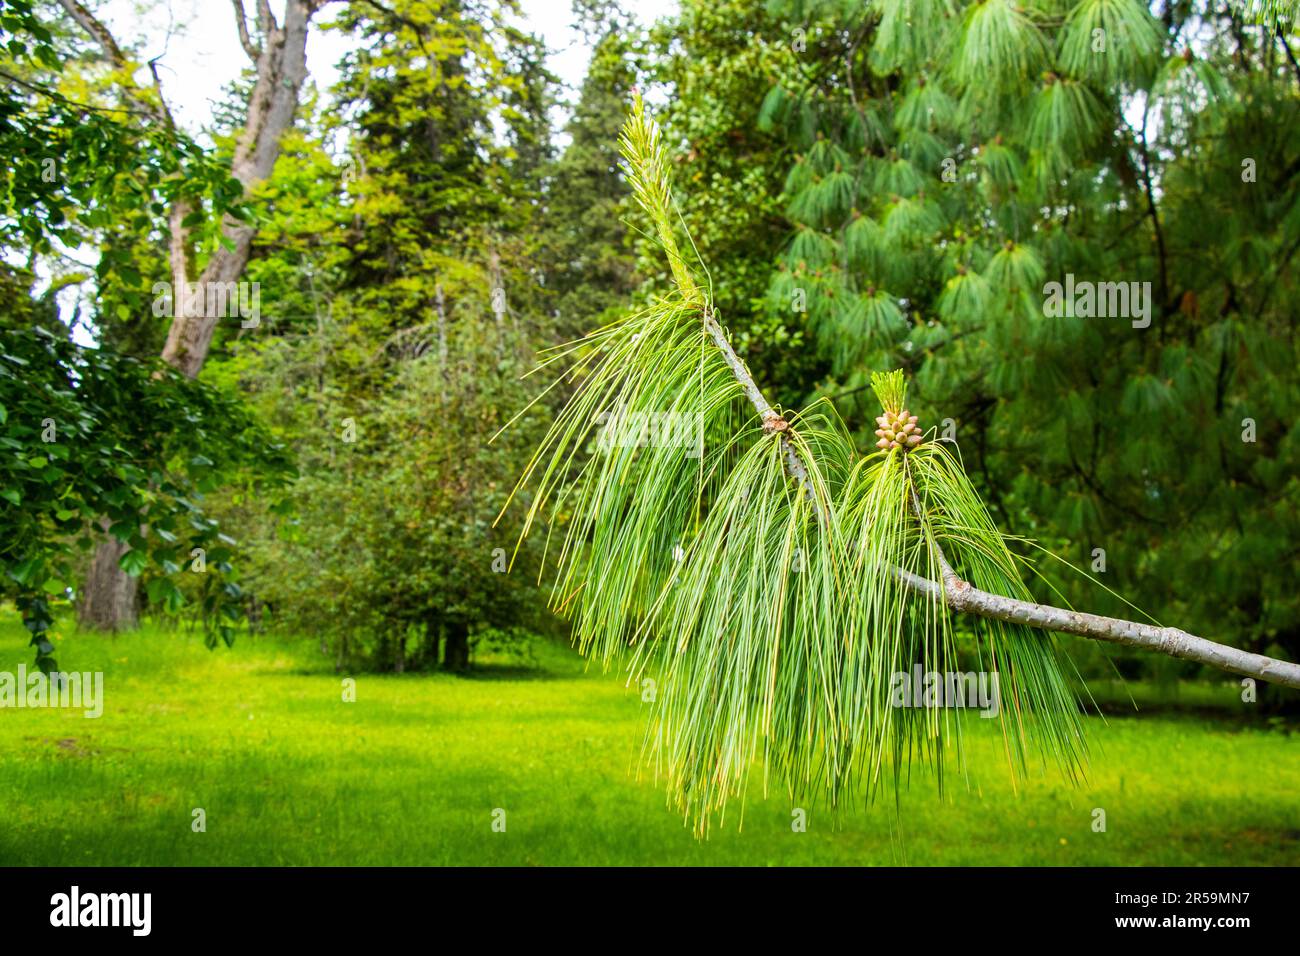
897 430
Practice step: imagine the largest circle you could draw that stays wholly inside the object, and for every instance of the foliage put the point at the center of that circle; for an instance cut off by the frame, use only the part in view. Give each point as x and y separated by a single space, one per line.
939 179
867 194
592 268
711 65
431 182
770 613
883 185
389 551
92 436
387 362
83 164
1268 12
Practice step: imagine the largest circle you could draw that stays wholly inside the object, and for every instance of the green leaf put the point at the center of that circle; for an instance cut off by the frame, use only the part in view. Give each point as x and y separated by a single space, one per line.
163 592
26 572
133 563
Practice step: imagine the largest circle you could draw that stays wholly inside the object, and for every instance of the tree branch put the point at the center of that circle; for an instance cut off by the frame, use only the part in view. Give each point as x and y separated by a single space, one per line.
113 52
1171 641
98 32
272 106
961 596
241 24
178 240
265 18
1281 35
772 419
74 104
1162 256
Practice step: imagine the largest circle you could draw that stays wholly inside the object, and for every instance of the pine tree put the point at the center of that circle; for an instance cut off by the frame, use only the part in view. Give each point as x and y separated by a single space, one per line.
592 264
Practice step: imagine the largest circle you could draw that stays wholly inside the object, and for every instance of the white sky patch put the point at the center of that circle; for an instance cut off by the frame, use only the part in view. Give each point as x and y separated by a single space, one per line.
200 53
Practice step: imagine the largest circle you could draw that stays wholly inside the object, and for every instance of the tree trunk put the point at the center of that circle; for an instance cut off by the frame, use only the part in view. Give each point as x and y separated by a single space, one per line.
430 650
280 59
108 601
279 54
456 655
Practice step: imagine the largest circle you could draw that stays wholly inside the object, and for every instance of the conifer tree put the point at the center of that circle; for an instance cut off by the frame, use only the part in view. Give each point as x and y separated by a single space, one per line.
591 264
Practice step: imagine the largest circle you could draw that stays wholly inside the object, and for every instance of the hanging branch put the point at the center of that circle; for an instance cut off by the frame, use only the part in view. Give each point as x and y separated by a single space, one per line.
767 581
961 596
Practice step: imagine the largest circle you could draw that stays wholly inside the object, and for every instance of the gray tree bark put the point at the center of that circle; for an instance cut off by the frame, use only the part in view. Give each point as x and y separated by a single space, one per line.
108 601
280 57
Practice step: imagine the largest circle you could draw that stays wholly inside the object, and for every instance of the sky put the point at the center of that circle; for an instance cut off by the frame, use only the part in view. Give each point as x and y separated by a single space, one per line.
201 51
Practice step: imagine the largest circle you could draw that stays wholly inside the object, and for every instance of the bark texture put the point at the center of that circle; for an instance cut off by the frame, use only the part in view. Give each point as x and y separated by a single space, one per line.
108 602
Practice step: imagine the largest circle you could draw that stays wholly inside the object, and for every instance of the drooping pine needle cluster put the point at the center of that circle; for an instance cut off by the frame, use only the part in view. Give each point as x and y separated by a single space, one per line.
762 616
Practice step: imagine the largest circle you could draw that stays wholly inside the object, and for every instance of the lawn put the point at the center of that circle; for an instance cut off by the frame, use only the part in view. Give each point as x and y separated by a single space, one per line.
286 772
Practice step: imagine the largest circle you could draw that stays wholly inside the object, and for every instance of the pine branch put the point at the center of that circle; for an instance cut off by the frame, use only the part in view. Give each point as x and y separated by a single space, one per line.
1170 641
960 596
766 581
771 418
645 155
647 168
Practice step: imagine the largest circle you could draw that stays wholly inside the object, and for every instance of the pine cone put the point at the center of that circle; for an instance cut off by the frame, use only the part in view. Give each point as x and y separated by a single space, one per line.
898 430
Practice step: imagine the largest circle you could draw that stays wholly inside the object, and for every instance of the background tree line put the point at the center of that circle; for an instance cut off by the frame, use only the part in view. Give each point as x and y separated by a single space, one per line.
873 185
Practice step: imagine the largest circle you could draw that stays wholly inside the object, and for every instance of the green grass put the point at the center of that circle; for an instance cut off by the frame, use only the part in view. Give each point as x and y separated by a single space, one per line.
287 773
